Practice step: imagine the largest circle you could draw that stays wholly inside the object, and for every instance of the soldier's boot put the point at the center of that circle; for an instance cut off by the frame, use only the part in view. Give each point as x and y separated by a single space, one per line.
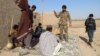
61 37
66 33
61 33
66 37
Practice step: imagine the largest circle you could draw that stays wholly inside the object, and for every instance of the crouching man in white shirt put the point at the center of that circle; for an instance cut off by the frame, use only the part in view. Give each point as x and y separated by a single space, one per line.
48 42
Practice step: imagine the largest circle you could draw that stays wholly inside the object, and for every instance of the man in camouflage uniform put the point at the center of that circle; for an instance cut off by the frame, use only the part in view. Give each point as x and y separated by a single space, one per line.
63 23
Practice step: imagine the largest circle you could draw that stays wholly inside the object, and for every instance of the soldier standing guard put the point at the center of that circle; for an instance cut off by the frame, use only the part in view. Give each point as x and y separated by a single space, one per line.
63 23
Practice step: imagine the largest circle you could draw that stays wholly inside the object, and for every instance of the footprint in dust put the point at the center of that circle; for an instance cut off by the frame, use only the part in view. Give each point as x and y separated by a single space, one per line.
95 50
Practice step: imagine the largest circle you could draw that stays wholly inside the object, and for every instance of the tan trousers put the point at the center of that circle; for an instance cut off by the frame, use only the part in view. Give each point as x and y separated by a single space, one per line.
63 28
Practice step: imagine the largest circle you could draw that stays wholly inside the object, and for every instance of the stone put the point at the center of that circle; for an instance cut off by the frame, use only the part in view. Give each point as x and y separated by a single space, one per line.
21 51
0 48
70 48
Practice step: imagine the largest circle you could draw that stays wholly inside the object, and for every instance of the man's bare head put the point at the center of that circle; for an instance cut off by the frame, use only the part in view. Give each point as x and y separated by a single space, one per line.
49 28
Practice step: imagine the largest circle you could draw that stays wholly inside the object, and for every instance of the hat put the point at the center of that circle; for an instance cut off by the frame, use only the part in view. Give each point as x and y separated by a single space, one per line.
90 15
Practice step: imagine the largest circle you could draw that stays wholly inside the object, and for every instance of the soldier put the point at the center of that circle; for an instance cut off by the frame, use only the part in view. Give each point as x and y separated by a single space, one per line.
63 23
90 27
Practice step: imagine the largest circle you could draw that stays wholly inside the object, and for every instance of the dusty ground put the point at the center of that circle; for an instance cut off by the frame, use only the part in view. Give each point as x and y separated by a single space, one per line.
85 49
77 29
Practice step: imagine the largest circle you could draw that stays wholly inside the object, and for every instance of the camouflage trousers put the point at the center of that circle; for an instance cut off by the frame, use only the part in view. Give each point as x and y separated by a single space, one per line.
63 28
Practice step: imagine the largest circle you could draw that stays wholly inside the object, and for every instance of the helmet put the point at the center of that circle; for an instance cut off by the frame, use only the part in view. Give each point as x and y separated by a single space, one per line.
64 6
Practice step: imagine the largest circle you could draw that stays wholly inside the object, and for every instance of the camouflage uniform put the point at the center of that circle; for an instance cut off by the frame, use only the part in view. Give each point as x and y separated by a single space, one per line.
63 23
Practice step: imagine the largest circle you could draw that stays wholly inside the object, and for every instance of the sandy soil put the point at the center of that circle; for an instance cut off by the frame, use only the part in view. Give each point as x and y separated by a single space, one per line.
85 49
77 29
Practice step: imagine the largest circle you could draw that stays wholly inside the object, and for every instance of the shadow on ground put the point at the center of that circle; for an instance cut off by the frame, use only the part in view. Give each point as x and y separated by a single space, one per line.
85 40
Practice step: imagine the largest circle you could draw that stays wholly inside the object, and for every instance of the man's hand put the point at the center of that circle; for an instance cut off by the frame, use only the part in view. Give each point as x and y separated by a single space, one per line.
30 28
56 14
